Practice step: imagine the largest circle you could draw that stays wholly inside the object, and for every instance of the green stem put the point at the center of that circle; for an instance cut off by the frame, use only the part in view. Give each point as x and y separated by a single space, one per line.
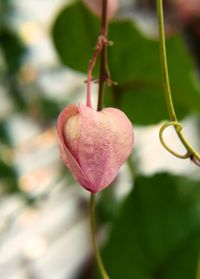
93 230
103 77
166 82
191 152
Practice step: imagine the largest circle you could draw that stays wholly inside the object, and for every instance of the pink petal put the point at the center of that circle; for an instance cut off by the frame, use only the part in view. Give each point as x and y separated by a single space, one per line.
66 155
69 111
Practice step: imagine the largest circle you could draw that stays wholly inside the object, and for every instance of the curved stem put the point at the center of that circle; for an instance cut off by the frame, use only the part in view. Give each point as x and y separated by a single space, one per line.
178 127
191 152
93 231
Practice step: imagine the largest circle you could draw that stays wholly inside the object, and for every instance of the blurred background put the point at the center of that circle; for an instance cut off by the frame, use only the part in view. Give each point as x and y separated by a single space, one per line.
145 232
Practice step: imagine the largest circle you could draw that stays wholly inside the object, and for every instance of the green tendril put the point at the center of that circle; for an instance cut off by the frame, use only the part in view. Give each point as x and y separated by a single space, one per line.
190 151
162 129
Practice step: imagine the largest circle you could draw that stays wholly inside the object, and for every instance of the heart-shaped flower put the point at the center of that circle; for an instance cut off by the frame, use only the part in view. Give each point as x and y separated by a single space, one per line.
94 144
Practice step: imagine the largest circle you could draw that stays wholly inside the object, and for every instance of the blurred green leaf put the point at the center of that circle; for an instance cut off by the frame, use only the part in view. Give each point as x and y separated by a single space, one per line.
12 48
108 205
4 138
51 109
75 34
137 69
157 234
13 51
134 63
8 177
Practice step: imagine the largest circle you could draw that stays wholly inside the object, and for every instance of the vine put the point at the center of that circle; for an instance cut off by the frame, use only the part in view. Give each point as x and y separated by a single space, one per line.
190 151
100 50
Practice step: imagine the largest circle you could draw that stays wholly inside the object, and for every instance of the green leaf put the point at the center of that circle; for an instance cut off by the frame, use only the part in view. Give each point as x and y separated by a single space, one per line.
8 178
12 48
75 34
157 234
108 205
134 63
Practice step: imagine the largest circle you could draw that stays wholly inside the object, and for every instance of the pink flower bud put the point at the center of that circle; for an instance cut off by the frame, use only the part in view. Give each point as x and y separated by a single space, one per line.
94 144
95 7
